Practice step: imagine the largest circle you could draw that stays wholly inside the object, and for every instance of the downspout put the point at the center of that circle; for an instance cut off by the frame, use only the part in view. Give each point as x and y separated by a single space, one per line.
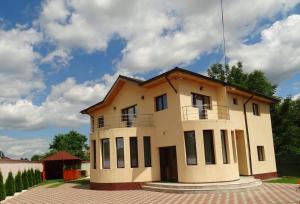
247 133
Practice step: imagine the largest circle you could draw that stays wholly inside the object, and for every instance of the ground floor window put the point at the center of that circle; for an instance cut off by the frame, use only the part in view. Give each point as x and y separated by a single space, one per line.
261 153
224 146
120 152
105 153
233 146
147 151
133 152
209 147
190 147
94 154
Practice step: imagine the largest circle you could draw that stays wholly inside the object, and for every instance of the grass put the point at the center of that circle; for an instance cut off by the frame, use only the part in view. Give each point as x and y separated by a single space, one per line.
58 182
286 179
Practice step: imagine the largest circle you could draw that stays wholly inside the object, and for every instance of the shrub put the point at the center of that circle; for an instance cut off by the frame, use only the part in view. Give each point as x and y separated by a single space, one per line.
2 188
29 177
10 188
38 177
18 182
24 180
33 177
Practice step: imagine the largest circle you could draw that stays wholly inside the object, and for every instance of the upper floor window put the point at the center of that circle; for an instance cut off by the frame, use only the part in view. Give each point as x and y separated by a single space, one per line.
201 101
261 153
129 114
255 108
92 124
161 102
190 147
101 121
235 101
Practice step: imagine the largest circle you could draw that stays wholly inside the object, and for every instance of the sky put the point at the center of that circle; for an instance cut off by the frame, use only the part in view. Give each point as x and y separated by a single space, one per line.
58 57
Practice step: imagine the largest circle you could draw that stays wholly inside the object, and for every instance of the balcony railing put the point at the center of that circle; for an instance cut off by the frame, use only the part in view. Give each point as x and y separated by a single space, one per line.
215 112
126 120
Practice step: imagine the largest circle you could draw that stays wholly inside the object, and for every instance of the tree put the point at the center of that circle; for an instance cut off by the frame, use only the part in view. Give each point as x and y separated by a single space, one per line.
24 180
10 188
33 177
72 142
36 157
254 81
18 182
2 188
29 177
37 175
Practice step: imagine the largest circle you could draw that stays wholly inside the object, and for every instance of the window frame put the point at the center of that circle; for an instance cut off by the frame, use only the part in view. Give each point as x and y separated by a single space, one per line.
261 153
145 138
212 146
131 152
164 104
194 148
123 157
256 109
103 152
101 121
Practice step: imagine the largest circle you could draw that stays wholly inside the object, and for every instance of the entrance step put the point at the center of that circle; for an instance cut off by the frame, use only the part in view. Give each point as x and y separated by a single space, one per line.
244 183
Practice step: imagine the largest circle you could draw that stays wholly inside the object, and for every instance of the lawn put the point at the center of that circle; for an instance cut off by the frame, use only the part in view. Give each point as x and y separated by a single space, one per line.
286 179
58 182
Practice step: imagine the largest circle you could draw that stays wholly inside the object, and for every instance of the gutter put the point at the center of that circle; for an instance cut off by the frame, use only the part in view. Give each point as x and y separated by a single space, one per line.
247 133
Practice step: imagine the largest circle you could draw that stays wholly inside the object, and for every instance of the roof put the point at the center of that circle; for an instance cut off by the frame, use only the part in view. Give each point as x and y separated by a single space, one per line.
180 70
62 155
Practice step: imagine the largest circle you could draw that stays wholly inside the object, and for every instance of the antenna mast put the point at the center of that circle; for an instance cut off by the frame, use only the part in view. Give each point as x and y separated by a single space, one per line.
223 26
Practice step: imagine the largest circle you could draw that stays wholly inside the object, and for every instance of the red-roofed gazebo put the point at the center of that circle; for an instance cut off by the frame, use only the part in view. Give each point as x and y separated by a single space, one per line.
61 165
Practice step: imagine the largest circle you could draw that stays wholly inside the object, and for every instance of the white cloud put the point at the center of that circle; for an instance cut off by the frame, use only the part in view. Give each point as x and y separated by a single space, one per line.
58 58
19 72
60 109
278 51
296 96
158 34
18 147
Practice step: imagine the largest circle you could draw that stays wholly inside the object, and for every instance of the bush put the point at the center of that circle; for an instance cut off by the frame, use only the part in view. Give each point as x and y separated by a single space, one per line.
24 180
33 177
10 188
2 188
29 177
38 177
18 182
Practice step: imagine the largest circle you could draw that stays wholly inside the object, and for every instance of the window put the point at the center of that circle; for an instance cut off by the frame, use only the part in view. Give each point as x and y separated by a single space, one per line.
190 147
101 122
94 154
105 153
261 153
161 102
92 124
133 152
209 146
128 115
233 146
147 151
255 108
224 146
201 101
120 152
235 101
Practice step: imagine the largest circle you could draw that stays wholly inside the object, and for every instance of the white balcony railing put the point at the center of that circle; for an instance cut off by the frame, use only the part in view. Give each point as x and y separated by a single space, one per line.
205 112
126 120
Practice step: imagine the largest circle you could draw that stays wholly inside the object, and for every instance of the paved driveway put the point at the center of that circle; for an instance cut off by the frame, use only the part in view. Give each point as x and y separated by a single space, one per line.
74 193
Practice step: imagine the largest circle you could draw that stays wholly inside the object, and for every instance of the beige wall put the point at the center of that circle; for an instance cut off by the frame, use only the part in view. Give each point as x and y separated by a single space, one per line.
14 167
168 130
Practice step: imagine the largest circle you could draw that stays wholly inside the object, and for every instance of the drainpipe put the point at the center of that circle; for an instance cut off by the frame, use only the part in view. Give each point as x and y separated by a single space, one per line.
247 133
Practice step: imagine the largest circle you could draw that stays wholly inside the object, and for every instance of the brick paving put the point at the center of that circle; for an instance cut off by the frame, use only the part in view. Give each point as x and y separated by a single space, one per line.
80 194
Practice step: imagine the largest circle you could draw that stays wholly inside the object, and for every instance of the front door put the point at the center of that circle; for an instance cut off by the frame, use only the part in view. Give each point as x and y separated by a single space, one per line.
168 164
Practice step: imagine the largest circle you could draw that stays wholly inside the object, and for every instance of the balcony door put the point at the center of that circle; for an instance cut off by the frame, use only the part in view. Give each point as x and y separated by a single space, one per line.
128 115
202 103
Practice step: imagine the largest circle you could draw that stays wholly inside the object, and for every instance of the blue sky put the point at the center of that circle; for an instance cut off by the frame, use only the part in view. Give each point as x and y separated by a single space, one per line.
58 56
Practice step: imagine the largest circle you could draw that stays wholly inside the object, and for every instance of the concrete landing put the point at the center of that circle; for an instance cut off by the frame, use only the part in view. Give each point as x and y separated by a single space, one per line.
244 183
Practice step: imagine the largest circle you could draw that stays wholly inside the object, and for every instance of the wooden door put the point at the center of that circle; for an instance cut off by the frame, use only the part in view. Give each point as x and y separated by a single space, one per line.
168 164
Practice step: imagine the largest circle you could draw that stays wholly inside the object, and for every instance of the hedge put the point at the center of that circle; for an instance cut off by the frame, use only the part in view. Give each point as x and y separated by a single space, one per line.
38 177
10 187
33 177
18 182
29 177
2 188
24 180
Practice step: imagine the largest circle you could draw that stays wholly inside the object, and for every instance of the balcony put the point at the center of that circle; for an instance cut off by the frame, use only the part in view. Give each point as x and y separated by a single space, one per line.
127 120
205 112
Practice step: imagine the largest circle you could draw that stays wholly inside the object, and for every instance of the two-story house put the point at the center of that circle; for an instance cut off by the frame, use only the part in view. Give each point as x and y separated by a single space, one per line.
179 126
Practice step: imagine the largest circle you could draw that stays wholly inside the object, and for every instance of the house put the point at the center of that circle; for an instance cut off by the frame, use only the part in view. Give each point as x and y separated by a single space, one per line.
179 126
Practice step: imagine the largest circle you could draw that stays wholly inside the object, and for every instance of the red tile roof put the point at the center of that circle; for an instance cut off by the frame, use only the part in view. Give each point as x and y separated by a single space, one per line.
62 155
